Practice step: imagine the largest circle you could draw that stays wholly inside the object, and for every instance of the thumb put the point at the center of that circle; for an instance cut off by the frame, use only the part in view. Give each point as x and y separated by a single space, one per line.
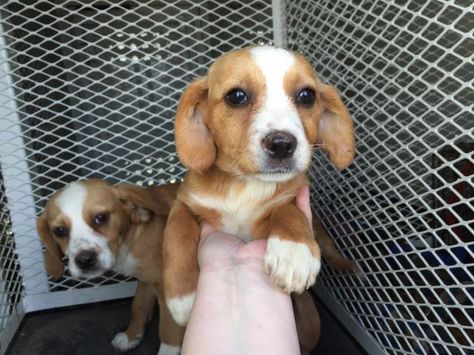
302 202
206 230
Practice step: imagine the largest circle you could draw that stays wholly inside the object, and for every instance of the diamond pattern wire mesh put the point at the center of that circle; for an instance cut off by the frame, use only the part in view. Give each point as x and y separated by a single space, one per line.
96 85
10 279
404 210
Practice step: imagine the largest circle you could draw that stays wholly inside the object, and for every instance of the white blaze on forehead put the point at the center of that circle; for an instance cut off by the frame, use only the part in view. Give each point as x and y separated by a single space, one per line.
278 111
71 202
274 63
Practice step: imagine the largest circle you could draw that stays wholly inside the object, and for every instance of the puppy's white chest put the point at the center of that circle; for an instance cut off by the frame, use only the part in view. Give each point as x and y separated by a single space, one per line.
238 221
239 208
125 264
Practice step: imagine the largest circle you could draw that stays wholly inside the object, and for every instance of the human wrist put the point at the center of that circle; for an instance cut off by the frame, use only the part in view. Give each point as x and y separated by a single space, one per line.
236 273
238 308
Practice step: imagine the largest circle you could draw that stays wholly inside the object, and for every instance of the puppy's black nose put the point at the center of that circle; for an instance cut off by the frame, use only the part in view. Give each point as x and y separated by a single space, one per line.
86 259
279 145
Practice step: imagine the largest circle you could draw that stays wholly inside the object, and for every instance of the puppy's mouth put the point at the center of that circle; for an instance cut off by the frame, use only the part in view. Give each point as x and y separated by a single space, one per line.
88 274
275 166
277 174
279 166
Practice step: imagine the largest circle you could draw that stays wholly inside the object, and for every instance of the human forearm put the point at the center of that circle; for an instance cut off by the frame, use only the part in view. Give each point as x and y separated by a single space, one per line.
238 310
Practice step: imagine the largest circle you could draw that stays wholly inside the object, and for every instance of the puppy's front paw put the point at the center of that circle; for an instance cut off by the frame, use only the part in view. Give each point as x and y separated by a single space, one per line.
122 343
180 308
291 265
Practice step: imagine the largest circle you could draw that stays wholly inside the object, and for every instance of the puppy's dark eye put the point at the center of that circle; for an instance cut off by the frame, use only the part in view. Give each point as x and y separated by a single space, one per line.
101 218
305 97
60 232
237 97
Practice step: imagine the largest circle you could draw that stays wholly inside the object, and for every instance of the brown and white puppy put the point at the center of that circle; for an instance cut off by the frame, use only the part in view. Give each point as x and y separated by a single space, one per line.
246 132
100 227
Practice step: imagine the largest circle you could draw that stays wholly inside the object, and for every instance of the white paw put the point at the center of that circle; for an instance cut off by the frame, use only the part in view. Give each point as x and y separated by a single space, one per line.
291 265
166 349
122 343
180 308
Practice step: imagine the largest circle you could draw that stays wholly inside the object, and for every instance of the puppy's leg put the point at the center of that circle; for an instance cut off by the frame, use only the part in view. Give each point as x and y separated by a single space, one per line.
180 267
142 306
170 333
329 251
292 258
307 321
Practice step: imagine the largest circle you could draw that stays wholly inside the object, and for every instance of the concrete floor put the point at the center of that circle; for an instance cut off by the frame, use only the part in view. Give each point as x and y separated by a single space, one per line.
88 330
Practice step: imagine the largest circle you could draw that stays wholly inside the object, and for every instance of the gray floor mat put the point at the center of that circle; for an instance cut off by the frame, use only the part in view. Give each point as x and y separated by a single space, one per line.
88 330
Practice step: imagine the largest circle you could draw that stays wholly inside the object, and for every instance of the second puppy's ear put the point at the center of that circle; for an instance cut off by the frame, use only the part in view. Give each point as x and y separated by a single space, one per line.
137 201
53 256
136 213
194 143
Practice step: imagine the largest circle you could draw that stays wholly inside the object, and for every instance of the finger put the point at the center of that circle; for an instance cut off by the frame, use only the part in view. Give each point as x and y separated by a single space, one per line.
303 203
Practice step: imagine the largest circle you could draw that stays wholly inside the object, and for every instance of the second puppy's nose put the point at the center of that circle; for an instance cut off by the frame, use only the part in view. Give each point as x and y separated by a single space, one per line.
86 259
279 145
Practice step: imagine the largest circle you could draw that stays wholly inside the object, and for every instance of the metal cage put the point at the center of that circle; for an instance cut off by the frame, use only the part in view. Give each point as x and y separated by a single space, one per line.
89 88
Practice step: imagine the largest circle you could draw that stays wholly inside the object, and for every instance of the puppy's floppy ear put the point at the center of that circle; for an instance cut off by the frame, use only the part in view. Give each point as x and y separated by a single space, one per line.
336 132
194 142
53 256
141 202
138 203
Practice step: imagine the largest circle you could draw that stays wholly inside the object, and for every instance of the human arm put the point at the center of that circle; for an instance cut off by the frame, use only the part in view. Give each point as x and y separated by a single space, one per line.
237 309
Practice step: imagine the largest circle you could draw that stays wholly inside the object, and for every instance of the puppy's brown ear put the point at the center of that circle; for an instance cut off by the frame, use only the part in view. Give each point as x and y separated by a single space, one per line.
138 202
139 214
53 256
336 132
194 142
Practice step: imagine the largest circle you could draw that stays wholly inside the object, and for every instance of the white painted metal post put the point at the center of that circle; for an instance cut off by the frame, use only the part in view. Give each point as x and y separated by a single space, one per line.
279 25
18 184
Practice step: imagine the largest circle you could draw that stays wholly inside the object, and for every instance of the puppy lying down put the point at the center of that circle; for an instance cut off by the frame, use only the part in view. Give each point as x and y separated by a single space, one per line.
99 227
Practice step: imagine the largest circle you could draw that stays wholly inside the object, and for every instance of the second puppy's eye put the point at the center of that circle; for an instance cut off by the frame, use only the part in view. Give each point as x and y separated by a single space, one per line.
60 232
305 97
237 97
101 219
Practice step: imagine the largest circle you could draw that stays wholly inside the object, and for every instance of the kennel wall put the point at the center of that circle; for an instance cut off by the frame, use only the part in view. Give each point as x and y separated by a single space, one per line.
89 89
